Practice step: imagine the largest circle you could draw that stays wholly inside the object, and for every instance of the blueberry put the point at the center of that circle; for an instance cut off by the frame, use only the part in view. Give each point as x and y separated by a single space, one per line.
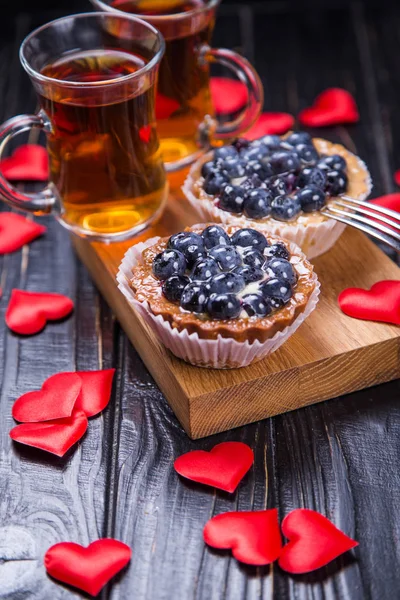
214 183
272 142
255 153
311 198
311 176
224 306
224 152
252 183
249 238
173 287
190 244
278 250
208 168
226 283
213 235
262 170
281 268
232 199
334 162
257 204
254 258
285 162
277 291
307 154
241 144
285 208
167 263
194 297
204 269
233 167
336 182
298 137
249 274
227 257
280 186
256 305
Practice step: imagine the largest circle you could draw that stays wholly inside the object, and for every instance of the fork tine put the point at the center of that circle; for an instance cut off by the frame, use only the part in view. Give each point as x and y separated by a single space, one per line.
387 239
367 221
380 209
371 213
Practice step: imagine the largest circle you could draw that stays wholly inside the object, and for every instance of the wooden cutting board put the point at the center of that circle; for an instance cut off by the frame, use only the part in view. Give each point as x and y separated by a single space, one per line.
330 355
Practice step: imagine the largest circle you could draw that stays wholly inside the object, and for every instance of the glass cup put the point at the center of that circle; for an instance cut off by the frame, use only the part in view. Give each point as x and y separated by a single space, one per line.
184 110
95 75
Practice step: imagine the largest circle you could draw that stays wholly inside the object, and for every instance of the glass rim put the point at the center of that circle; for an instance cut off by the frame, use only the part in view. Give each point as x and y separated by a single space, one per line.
108 82
159 18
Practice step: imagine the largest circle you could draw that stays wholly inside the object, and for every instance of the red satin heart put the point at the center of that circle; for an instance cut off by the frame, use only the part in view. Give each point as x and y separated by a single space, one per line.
254 537
28 312
29 162
380 303
56 436
16 231
397 177
88 569
96 391
223 467
228 95
145 133
165 107
334 106
56 400
270 123
391 201
314 541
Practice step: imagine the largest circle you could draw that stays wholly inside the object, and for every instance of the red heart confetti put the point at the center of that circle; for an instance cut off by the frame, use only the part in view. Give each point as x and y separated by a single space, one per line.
96 391
334 106
270 123
56 400
223 467
28 312
380 303
397 177
29 162
314 541
254 537
88 569
228 95
165 107
16 231
56 436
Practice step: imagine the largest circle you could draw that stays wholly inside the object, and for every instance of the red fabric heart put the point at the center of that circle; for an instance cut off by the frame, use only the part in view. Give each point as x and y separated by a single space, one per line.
16 231
334 106
223 467
254 537
314 541
270 123
56 436
145 133
397 177
56 400
29 162
228 95
96 391
165 107
380 303
391 201
88 569
28 312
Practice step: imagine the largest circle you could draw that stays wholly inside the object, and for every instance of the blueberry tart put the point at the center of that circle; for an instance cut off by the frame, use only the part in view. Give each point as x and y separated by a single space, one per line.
220 296
279 185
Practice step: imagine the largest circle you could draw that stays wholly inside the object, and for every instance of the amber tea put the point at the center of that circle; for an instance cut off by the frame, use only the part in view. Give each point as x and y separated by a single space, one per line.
104 151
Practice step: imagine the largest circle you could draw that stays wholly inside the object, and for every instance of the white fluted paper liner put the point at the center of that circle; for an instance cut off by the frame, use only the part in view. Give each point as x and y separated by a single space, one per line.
314 238
222 353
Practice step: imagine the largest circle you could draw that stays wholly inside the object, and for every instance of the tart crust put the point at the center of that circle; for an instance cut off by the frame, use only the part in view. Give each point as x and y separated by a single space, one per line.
148 289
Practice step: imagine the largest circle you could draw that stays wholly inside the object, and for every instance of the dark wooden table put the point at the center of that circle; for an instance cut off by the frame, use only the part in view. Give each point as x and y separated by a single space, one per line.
339 457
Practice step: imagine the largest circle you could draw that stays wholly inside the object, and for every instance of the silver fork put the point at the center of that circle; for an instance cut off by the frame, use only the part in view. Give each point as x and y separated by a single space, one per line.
376 227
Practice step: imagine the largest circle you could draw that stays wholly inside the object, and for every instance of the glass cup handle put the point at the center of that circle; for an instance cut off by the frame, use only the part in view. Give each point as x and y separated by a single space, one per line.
44 201
246 73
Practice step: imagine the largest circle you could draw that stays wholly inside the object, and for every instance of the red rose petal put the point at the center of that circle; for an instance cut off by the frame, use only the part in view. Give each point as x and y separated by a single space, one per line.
56 399
254 537
223 467
380 303
270 123
29 162
228 95
88 569
334 106
314 541
96 391
56 436
28 312
16 231
165 107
